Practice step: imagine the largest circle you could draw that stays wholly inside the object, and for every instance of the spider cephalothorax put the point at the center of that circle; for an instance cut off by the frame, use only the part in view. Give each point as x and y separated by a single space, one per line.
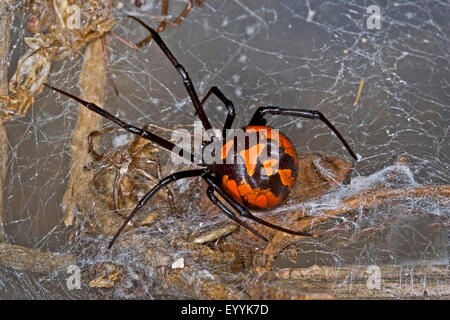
261 171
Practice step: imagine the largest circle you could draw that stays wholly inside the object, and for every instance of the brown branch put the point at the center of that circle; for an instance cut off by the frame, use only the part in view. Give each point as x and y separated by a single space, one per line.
269 287
369 199
358 95
6 14
360 273
28 259
80 196
395 281
92 83
364 200
190 281
14 256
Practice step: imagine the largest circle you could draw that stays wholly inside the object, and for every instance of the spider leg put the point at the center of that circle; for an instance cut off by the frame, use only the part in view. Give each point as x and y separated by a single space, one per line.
116 192
258 119
228 104
155 181
185 11
162 25
164 182
99 174
243 211
165 22
135 146
230 214
90 139
182 71
128 127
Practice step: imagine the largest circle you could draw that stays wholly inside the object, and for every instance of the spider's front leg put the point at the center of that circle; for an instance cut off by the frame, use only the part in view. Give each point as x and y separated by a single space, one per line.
258 120
168 145
187 81
149 195
228 104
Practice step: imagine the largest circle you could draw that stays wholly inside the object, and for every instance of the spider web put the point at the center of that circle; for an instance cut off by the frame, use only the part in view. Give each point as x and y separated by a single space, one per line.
310 55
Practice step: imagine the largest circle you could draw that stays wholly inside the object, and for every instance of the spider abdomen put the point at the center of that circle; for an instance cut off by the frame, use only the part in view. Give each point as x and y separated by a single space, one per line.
260 170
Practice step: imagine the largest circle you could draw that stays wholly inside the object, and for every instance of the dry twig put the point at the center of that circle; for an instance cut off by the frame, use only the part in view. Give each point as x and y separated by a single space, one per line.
358 95
364 200
28 259
6 14
92 83
352 281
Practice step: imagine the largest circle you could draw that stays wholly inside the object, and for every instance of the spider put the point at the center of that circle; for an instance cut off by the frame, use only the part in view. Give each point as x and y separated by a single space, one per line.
119 173
241 183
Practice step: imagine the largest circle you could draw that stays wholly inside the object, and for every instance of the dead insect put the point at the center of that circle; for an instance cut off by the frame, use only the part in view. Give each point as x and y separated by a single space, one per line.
123 176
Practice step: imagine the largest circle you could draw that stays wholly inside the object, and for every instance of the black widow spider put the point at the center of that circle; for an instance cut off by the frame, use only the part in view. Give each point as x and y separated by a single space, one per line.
252 182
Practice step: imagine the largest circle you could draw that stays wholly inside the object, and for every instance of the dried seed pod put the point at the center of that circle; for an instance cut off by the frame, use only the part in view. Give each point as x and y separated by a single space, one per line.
216 234
33 24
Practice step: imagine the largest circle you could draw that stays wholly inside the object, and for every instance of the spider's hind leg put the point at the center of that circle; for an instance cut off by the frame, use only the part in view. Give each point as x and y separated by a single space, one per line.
243 212
230 214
